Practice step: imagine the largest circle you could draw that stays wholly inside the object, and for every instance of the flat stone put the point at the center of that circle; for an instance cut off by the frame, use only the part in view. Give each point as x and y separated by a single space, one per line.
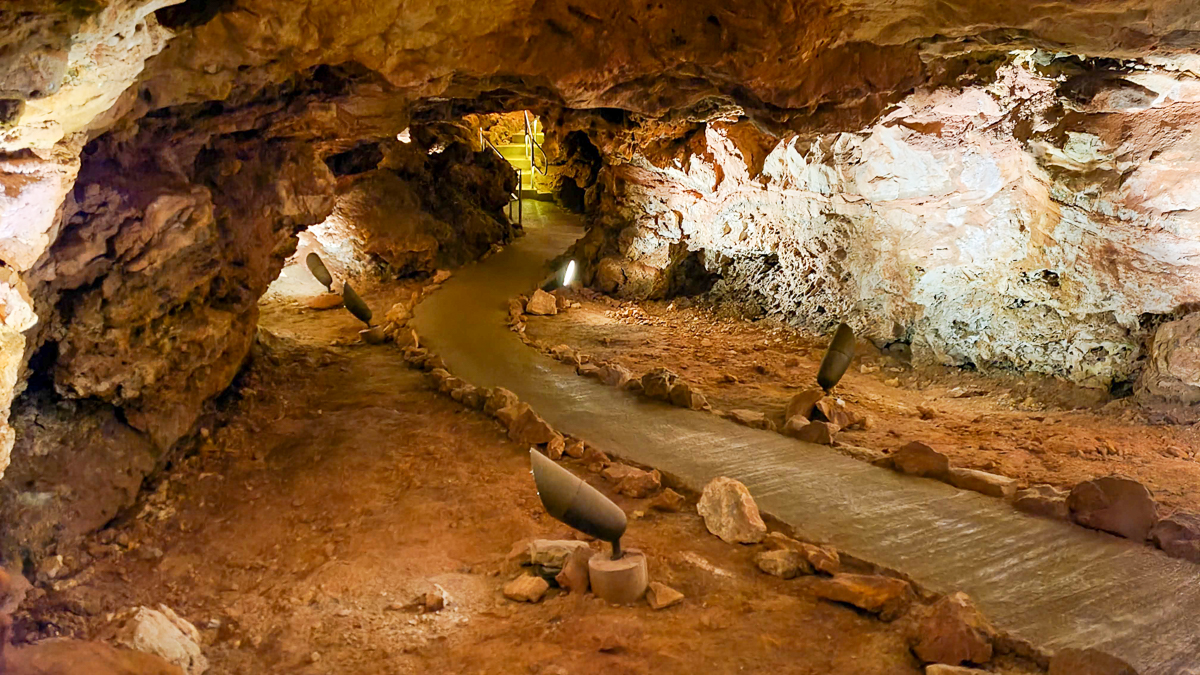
499 398
918 459
802 404
434 601
952 631
983 482
684 396
1178 535
661 596
541 303
658 383
668 500
752 419
553 552
730 512
324 301
1043 500
526 588
887 597
821 558
821 433
1114 504
588 370
827 410
783 563
1088 662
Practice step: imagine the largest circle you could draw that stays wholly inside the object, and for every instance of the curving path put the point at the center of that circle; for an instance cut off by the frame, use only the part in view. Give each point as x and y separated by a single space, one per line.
1050 583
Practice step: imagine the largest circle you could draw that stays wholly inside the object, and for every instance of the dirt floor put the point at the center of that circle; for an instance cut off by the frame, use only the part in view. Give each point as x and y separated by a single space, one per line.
335 487
1035 429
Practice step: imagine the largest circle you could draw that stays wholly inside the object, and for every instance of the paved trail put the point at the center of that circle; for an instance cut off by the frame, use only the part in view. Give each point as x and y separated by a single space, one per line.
1053 584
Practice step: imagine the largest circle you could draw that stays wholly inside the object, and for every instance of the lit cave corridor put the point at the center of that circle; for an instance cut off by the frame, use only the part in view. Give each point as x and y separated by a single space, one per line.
559 337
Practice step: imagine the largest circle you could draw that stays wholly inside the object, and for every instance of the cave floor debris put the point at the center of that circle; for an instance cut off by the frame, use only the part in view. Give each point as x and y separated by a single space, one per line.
1052 583
340 487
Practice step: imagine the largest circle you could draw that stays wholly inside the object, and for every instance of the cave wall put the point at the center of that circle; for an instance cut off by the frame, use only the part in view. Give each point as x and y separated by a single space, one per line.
1042 219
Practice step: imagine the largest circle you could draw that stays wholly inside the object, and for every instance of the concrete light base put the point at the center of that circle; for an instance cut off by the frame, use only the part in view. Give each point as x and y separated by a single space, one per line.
620 582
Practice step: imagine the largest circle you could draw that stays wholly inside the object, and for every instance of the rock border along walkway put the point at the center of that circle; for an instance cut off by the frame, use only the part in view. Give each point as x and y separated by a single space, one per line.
1046 582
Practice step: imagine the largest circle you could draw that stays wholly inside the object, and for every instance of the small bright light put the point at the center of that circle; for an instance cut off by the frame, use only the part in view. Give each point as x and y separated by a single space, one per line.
570 276
404 136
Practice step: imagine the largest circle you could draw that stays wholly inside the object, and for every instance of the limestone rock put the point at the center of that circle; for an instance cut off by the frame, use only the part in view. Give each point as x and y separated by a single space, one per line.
1178 535
822 558
752 419
821 433
829 410
802 404
885 596
660 596
953 632
1172 372
541 303
658 383
163 633
499 398
324 301
556 447
684 396
1088 662
66 657
1043 500
530 429
575 448
508 415
1114 504
983 482
574 575
783 563
640 484
554 552
730 512
668 500
526 588
918 459
615 375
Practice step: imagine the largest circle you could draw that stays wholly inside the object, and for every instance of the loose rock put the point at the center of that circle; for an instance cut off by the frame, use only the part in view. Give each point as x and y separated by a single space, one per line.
1113 504
821 558
324 301
802 403
887 597
574 574
499 398
752 419
821 433
661 596
541 303
918 459
658 383
163 633
574 448
668 500
640 484
730 512
556 447
983 482
530 429
553 552
1178 535
783 563
684 396
1043 500
952 631
615 375
526 588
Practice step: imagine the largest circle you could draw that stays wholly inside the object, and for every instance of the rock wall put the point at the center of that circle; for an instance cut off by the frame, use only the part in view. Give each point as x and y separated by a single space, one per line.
1040 219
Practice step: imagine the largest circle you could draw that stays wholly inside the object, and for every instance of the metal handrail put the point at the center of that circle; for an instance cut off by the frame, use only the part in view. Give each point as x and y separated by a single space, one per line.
514 196
531 144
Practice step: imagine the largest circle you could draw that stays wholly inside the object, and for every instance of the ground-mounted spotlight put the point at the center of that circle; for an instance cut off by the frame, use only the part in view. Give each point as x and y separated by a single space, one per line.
358 307
562 278
620 578
837 358
318 269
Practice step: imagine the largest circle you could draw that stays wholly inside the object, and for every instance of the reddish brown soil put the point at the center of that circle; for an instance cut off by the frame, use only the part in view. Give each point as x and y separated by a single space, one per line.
339 487
1036 429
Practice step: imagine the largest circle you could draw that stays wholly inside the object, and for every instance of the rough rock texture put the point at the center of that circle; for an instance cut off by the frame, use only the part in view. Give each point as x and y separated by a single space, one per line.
1118 505
1043 500
952 631
918 459
885 596
1173 369
163 633
730 512
1179 535
662 596
65 656
526 588
783 563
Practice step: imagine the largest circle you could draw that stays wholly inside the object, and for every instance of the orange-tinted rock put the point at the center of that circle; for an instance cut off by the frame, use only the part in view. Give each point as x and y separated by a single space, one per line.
885 596
1114 504
953 632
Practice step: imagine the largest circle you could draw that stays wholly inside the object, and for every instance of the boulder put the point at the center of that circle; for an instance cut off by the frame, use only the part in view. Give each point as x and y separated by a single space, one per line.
983 482
952 631
668 500
821 433
1088 662
1043 500
526 588
499 398
783 563
730 512
615 375
751 418
658 383
1178 535
1114 504
160 632
918 459
541 303
530 429
684 396
802 404
661 596
887 597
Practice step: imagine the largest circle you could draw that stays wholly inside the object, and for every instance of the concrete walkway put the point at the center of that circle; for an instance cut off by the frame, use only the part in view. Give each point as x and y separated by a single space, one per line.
1050 583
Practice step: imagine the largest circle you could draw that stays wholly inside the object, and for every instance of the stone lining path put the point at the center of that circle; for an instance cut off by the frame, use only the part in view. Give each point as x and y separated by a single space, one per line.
1050 583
